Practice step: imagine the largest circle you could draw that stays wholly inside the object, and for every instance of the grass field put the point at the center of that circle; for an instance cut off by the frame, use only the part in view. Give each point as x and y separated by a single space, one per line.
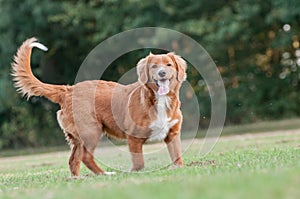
263 165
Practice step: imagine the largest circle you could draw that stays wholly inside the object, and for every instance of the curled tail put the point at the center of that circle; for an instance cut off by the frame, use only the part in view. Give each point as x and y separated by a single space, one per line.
25 82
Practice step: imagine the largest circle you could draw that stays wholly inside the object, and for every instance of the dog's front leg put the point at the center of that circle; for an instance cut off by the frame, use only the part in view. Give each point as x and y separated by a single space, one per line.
136 150
173 142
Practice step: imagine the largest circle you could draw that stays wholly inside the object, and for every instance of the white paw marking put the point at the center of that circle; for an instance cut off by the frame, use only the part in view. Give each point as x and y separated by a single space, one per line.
110 173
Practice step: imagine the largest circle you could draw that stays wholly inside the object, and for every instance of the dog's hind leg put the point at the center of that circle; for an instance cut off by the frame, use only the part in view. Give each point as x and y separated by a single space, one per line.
90 137
75 159
88 160
77 152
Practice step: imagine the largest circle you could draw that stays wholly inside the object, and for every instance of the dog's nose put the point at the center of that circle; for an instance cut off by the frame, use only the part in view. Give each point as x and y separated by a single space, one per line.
162 73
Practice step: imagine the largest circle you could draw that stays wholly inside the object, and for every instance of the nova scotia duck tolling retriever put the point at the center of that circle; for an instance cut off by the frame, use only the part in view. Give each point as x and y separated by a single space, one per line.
145 111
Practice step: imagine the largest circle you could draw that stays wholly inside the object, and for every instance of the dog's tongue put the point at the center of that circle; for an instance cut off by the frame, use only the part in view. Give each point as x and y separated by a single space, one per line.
163 87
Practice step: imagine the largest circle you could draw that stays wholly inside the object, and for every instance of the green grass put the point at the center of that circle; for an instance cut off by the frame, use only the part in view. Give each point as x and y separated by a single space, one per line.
263 126
247 166
257 127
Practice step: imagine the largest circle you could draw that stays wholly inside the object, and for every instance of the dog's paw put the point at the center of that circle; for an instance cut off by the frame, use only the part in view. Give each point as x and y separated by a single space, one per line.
137 168
108 173
75 178
174 166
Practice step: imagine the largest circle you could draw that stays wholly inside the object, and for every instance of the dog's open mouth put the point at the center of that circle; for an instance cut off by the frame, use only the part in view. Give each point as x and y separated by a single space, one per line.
163 86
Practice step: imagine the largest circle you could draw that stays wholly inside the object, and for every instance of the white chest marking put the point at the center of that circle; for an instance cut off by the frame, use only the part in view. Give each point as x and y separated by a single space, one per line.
161 126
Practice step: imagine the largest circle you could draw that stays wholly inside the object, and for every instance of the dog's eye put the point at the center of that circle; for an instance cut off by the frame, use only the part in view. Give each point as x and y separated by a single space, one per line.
154 66
169 64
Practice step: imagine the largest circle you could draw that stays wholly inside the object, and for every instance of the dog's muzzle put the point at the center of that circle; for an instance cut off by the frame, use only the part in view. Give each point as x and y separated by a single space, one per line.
163 86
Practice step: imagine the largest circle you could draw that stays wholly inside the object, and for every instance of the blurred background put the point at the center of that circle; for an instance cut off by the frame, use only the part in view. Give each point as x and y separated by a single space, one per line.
254 43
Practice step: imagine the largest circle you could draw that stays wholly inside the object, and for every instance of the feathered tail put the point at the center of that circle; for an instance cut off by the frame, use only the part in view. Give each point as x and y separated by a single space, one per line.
25 82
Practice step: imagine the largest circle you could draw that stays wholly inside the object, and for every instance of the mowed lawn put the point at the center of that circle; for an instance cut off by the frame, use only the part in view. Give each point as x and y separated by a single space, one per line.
263 165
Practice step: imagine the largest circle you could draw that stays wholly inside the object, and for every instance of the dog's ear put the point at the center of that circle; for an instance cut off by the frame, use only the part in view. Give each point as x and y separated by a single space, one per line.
181 66
142 70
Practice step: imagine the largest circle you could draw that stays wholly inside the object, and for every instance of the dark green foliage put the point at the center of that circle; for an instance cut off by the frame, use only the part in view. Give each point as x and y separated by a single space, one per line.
253 43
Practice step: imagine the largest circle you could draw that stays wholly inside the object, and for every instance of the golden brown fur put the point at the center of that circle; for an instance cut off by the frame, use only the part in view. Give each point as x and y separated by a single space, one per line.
134 112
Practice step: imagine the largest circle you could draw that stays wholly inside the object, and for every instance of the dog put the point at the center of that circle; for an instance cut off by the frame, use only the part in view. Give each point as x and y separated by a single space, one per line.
145 111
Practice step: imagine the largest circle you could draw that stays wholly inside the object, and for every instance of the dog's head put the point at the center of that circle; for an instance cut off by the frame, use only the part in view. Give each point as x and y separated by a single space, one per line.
163 71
